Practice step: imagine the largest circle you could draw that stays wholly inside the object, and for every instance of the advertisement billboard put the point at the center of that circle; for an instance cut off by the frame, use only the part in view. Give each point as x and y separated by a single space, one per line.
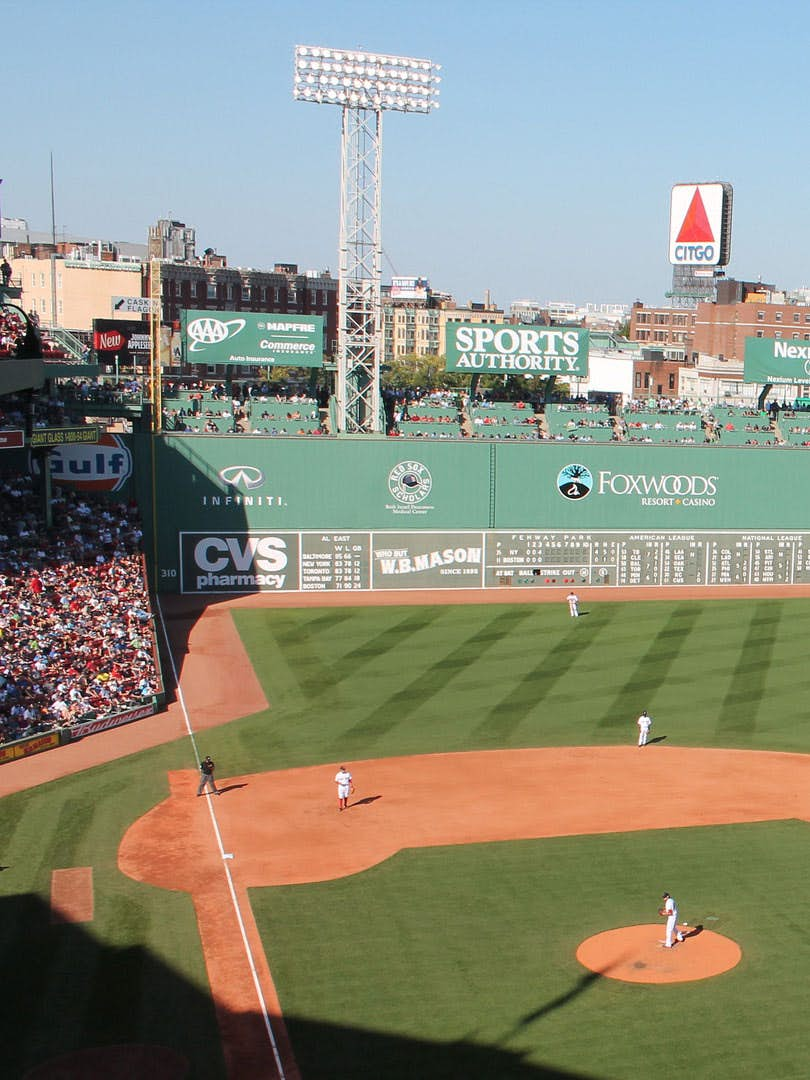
239 337
774 360
525 350
126 338
700 224
409 288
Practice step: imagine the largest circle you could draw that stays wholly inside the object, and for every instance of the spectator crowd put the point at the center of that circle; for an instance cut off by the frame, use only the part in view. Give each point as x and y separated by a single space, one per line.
76 632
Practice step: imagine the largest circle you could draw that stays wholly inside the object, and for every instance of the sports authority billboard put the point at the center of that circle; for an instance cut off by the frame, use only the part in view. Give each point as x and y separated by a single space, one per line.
772 360
700 224
538 350
272 340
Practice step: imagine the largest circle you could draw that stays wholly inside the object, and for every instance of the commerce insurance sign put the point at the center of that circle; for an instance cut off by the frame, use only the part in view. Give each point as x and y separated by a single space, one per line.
236 337
525 350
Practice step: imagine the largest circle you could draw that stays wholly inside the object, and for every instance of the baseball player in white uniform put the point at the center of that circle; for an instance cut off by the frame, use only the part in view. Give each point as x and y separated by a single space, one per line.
343 779
644 724
573 604
670 909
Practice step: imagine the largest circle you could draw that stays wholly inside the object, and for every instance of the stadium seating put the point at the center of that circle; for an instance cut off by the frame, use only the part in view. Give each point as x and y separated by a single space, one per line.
580 423
735 426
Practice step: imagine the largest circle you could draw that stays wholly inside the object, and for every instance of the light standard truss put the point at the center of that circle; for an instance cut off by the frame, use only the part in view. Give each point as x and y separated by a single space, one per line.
363 84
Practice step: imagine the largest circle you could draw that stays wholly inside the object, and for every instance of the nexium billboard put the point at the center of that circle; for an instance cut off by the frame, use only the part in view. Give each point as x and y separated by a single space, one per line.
237 337
774 360
540 350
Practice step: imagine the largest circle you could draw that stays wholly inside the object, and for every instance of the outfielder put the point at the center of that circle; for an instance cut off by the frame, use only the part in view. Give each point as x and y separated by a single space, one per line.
670 910
644 724
343 779
573 604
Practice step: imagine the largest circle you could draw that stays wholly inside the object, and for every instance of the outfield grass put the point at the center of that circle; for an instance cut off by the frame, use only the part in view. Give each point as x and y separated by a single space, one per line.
368 682
356 963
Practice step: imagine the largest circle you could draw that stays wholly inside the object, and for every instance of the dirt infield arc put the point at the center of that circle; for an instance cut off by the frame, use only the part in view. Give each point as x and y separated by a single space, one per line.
283 828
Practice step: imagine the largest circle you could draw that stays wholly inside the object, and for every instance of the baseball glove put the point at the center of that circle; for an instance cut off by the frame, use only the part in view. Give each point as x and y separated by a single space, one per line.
351 790
663 911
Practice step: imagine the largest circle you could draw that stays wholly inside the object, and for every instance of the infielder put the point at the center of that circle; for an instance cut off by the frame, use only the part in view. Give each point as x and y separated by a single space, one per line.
573 604
670 910
343 779
644 724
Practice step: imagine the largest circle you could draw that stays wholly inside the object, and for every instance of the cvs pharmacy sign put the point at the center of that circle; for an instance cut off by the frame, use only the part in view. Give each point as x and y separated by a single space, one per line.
238 562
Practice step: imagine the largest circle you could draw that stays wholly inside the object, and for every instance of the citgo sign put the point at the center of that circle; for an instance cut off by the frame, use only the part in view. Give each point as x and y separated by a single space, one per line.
700 225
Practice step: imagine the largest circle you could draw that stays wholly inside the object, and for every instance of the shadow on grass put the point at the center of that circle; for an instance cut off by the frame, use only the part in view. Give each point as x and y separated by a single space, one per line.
657 739
583 983
78 1000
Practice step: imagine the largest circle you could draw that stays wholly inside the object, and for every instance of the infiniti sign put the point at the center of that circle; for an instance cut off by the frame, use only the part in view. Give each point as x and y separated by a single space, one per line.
246 477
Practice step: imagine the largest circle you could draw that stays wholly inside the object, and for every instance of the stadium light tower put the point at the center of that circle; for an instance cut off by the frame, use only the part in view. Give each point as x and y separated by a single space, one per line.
363 84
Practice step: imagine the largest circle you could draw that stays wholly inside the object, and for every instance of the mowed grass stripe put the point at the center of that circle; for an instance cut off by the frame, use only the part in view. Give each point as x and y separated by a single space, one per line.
554 666
651 667
742 702
435 679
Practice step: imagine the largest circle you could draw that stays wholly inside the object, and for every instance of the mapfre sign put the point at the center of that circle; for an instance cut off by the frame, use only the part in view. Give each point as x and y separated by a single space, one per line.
700 224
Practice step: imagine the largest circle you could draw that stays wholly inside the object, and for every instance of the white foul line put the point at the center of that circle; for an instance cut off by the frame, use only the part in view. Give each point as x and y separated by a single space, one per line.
234 899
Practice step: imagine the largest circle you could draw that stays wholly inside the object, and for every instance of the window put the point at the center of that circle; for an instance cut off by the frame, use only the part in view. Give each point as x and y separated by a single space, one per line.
212 290
760 333
795 316
42 281
778 334
795 337
672 380
760 316
246 293
638 379
777 315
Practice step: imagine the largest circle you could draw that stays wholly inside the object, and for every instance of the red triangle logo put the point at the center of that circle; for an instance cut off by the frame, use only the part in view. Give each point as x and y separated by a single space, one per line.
696 228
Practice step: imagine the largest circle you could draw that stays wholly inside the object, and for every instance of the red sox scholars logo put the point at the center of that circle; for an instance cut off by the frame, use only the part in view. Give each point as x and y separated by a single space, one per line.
410 482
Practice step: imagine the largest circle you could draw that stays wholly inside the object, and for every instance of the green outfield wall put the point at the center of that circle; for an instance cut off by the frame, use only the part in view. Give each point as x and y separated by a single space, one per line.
240 513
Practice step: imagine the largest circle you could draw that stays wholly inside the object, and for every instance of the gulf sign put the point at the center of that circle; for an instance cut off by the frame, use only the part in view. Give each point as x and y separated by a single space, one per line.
102 466
700 224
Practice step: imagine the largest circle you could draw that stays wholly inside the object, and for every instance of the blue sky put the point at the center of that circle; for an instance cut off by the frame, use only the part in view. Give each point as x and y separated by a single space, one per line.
545 174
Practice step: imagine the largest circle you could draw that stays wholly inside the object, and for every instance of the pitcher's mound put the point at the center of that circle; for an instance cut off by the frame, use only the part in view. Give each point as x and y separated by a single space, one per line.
635 954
